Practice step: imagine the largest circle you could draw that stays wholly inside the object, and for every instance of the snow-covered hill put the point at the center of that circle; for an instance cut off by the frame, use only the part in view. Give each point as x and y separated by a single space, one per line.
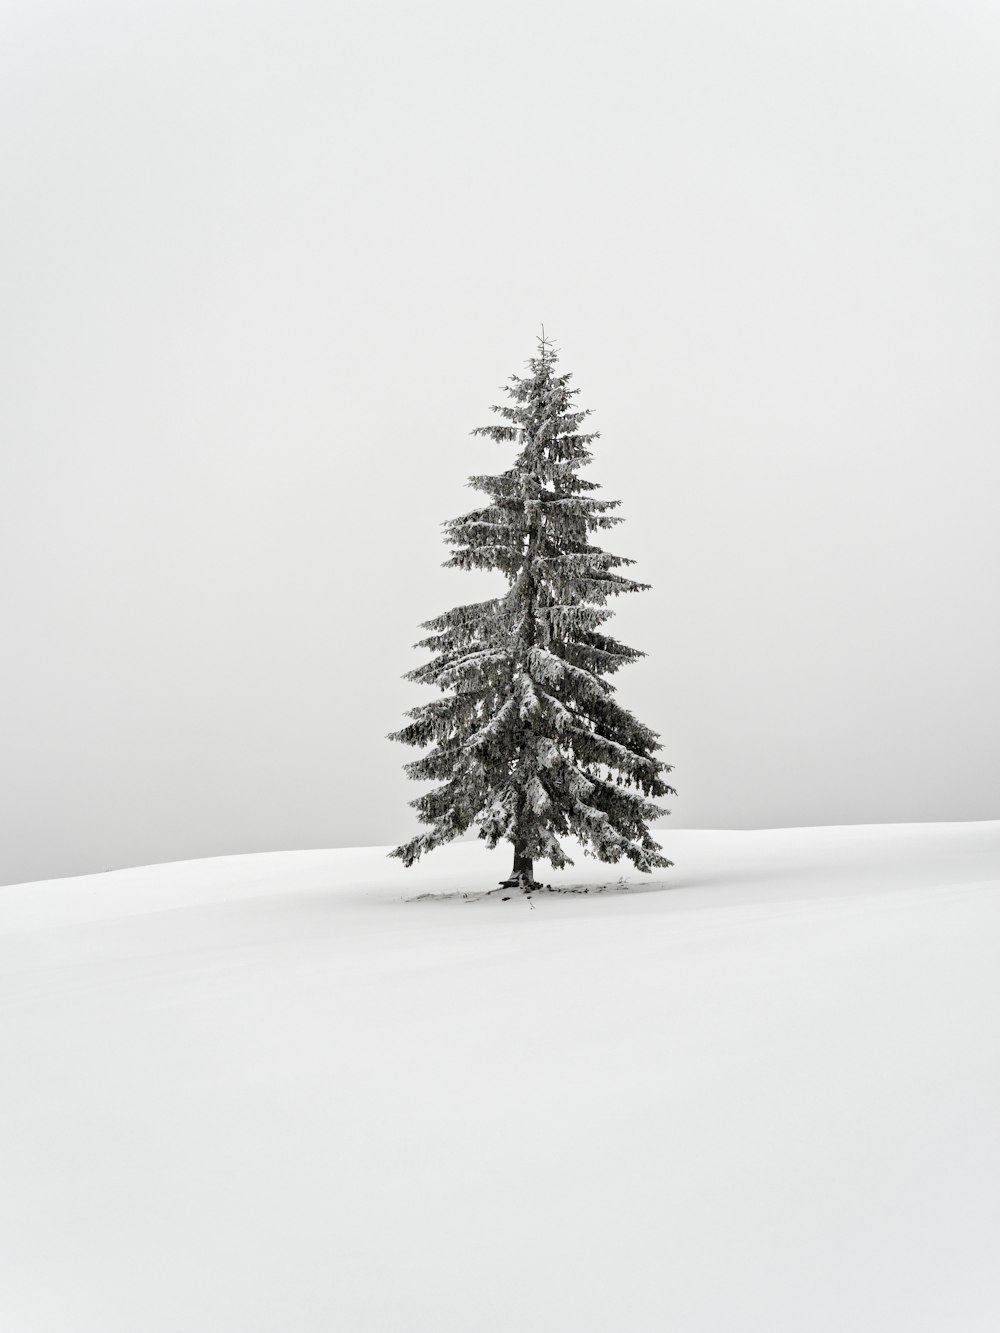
268 1094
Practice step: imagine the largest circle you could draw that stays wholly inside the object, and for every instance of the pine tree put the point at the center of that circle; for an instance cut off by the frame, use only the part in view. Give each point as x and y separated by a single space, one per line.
528 742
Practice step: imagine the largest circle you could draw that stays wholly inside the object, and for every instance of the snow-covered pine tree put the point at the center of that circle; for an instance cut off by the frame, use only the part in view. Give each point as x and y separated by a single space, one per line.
528 742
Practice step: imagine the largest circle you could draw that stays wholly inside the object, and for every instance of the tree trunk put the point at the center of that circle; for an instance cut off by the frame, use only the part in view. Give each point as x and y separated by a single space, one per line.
522 866
523 873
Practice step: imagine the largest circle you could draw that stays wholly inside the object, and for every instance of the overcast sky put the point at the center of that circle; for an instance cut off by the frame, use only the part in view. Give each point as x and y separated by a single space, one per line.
264 266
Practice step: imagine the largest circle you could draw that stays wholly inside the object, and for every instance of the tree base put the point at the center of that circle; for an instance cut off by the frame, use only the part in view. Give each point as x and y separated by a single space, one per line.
521 882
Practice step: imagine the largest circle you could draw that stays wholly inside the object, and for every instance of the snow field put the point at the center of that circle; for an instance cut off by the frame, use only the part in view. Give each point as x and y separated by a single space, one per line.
268 1094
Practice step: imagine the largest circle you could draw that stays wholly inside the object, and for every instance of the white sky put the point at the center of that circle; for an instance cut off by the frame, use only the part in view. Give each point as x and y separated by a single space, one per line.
263 268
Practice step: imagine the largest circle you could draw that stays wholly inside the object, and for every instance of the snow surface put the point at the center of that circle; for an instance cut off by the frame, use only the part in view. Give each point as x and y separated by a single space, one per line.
267 1094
